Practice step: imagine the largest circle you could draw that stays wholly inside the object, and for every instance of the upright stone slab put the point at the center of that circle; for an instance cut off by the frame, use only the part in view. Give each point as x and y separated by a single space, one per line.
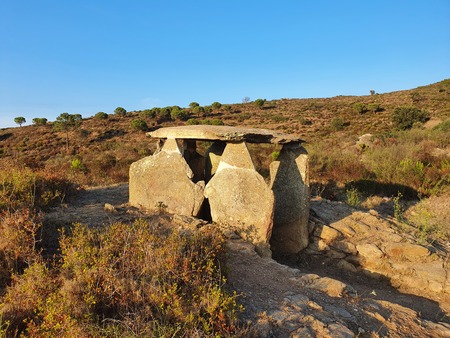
290 185
239 196
164 180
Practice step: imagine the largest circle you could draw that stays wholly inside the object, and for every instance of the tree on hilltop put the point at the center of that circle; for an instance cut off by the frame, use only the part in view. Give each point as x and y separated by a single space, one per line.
66 122
39 121
20 120
120 111
260 103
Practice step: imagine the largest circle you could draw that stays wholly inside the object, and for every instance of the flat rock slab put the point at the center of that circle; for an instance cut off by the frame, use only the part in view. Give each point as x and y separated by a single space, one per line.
225 133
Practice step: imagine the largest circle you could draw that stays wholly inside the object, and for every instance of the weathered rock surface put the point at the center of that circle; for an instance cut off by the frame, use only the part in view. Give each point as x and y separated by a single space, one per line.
290 185
380 250
225 133
164 181
239 196
283 302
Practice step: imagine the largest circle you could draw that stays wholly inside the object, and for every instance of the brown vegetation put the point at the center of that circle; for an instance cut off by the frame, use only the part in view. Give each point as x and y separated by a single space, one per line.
142 279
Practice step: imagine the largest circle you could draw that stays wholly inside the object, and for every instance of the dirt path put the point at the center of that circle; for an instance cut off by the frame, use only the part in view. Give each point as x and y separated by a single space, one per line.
311 300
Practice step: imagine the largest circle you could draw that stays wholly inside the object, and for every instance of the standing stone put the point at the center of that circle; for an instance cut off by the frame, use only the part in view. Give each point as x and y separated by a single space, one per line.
238 196
164 181
290 185
212 159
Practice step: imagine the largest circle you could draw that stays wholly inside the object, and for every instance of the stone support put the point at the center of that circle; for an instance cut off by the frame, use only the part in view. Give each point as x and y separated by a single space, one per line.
290 185
239 197
164 181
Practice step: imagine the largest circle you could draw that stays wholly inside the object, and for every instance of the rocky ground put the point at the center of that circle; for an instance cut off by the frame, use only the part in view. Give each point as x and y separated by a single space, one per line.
359 278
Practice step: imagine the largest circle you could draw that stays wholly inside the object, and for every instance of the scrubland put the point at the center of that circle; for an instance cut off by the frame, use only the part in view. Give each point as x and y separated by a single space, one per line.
143 279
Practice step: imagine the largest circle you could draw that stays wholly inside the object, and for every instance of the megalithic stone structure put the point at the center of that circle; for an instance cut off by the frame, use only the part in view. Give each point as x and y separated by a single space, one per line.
237 194
164 180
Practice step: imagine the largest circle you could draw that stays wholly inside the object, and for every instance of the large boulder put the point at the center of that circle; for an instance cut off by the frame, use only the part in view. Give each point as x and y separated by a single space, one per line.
290 185
164 181
239 196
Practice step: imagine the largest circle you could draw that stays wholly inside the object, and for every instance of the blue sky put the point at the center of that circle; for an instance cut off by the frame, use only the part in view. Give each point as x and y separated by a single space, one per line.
87 56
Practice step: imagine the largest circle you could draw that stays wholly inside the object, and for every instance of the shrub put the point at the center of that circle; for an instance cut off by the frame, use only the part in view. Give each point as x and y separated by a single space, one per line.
20 187
405 117
120 111
139 125
101 115
216 105
374 107
259 103
179 114
163 114
19 237
136 279
192 122
39 121
148 113
353 197
192 105
359 108
337 124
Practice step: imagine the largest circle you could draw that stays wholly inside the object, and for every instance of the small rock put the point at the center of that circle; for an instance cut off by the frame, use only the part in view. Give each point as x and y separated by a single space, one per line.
335 254
438 329
343 264
346 247
332 287
298 300
328 234
409 251
373 212
110 208
338 311
369 251
338 330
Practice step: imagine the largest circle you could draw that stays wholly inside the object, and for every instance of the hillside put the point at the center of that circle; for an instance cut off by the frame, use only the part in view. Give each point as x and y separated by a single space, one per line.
376 265
108 146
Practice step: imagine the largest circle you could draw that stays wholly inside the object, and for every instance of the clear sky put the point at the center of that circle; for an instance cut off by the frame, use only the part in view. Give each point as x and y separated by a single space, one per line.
87 56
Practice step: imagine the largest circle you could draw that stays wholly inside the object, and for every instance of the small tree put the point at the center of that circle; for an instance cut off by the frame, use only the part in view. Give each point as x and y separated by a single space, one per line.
259 103
139 125
405 117
39 121
20 120
66 122
192 105
246 99
101 115
120 111
216 105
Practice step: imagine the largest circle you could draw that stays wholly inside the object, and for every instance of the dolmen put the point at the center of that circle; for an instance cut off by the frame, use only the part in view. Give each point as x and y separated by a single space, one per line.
223 185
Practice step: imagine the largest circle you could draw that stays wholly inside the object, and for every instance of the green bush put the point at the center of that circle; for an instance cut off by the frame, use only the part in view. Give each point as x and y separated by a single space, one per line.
405 117
337 124
120 111
374 107
148 113
216 105
139 125
101 115
39 121
259 103
192 122
178 113
359 108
